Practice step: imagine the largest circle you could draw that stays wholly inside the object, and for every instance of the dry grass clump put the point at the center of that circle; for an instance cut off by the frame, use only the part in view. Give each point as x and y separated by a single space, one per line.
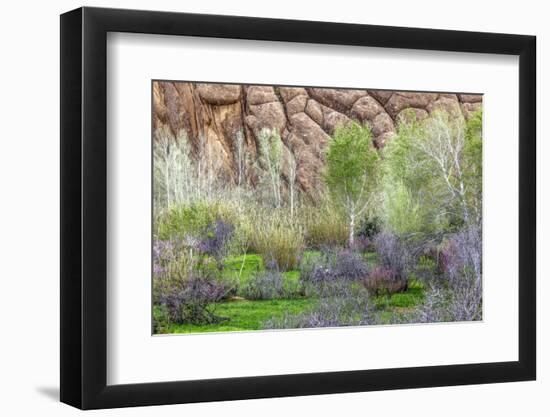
324 226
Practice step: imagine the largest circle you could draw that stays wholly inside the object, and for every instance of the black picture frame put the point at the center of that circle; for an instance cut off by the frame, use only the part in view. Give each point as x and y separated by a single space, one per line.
84 207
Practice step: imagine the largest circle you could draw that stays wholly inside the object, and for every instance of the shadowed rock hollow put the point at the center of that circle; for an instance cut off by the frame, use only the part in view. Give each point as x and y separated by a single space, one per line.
304 117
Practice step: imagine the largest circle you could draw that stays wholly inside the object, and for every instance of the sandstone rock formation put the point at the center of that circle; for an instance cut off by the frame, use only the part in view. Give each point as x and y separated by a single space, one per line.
304 117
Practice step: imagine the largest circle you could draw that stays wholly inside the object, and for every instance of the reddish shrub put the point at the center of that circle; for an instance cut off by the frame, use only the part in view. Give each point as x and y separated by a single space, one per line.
384 280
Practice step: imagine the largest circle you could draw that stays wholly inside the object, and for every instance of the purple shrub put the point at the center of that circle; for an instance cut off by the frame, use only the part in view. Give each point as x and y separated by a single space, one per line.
341 265
346 310
162 250
320 274
164 253
265 285
462 255
392 253
457 293
190 301
216 242
158 270
350 266
462 269
433 309
272 265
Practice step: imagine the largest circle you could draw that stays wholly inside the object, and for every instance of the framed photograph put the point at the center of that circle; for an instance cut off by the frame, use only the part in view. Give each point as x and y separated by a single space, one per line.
257 208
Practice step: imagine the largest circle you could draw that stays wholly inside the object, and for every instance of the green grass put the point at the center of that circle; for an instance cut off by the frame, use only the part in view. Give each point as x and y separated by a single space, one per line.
252 264
391 307
403 300
246 315
371 258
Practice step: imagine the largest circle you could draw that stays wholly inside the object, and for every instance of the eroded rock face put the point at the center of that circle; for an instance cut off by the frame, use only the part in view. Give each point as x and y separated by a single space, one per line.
219 94
215 114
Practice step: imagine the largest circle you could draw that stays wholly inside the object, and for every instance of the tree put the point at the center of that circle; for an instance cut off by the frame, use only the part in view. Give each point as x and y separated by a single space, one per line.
353 171
438 162
208 167
174 174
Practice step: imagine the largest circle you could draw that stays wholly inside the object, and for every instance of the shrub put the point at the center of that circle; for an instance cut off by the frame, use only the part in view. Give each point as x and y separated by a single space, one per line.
272 265
369 227
279 242
163 254
384 281
435 307
392 254
161 320
429 266
462 255
457 294
217 240
363 244
308 263
348 310
324 226
330 273
462 269
190 300
350 266
264 285
192 219
173 259
330 265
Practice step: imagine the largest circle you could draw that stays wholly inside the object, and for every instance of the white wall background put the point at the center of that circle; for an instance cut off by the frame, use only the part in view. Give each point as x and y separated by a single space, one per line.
29 225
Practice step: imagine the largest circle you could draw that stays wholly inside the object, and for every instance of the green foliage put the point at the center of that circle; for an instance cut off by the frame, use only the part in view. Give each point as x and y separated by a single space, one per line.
369 226
191 219
161 319
352 164
352 173
410 189
433 172
403 214
473 159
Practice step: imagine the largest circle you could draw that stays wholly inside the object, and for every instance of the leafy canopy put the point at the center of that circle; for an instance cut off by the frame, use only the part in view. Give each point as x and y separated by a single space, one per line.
433 172
352 173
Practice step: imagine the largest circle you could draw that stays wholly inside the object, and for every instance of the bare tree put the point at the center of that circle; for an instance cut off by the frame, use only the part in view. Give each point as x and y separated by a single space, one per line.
444 144
173 169
208 169
292 175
